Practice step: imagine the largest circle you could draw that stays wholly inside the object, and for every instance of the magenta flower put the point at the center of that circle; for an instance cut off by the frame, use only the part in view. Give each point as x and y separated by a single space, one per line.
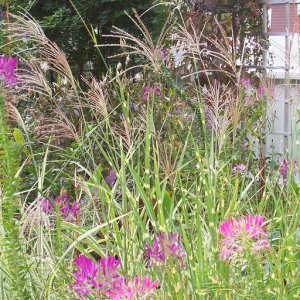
164 53
7 70
63 199
261 91
67 210
246 83
46 206
108 267
239 169
166 247
264 91
241 235
102 281
85 276
156 90
147 91
95 278
136 288
284 167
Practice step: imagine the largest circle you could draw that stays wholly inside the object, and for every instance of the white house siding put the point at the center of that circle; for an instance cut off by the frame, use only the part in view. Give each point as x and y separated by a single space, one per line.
286 96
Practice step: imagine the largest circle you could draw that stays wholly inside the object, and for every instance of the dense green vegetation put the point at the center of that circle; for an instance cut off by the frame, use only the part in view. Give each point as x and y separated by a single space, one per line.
63 25
148 181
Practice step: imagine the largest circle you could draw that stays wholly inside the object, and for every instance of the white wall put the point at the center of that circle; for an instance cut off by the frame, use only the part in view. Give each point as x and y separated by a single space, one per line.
285 103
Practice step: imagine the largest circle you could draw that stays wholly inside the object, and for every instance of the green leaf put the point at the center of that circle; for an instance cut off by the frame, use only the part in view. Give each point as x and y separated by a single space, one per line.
167 205
97 176
18 136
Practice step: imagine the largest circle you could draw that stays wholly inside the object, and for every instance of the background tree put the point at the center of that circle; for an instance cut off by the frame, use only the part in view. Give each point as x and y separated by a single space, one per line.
240 19
63 25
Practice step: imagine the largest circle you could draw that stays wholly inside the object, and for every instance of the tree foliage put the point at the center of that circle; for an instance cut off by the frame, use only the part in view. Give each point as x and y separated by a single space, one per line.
64 25
240 19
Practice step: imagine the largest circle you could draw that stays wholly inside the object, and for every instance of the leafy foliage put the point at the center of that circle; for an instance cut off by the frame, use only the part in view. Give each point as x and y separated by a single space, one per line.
241 19
12 254
63 25
150 164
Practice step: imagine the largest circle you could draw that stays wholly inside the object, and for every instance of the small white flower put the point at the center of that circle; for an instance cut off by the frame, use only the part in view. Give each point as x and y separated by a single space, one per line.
25 39
138 76
119 66
44 66
64 80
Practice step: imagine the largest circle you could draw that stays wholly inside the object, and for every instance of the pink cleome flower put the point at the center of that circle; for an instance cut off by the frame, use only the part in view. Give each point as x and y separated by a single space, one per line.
136 288
239 169
246 83
265 92
46 205
67 210
7 70
85 276
284 167
146 92
103 281
156 90
241 235
164 53
95 278
166 247
148 89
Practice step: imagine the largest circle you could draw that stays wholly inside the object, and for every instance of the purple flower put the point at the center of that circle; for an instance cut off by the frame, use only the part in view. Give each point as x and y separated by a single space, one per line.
166 247
85 276
111 178
102 281
246 83
67 210
284 167
264 91
63 199
136 288
95 278
242 234
239 169
164 53
261 91
46 205
156 90
147 91
7 70
108 267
